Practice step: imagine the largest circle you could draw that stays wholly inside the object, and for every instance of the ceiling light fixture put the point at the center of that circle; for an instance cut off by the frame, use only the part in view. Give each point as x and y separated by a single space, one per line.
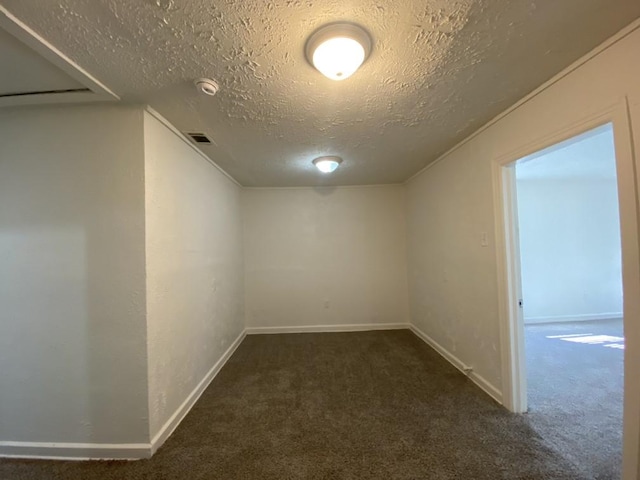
337 50
327 164
207 86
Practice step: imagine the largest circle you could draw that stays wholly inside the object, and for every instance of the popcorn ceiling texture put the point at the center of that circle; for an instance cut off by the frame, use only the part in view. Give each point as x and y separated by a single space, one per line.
438 71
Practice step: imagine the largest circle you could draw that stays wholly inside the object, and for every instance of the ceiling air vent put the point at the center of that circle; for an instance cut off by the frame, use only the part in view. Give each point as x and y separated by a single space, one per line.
199 138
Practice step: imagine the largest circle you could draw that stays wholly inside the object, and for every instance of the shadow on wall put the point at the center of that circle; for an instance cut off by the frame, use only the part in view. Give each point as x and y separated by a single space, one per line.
72 332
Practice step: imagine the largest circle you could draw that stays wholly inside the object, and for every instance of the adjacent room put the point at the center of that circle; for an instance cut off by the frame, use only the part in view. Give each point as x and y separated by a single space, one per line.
280 239
571 270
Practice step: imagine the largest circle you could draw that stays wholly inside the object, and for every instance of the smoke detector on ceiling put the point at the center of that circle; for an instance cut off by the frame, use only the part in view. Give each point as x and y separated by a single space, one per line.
207 86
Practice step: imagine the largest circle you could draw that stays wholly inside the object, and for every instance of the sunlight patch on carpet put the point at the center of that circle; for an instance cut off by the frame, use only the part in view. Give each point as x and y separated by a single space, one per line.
608 341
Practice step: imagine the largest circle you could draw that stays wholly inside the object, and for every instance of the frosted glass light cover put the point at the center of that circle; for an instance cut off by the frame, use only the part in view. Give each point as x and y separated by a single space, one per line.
338 58
338 49
327 164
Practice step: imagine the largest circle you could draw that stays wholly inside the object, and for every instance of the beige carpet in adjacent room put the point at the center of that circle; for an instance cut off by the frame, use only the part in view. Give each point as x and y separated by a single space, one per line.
576 386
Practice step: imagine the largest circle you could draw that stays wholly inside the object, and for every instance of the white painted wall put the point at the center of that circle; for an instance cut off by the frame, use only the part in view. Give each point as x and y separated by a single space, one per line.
452 278
194 260
569 248
569 226
72 289
325 256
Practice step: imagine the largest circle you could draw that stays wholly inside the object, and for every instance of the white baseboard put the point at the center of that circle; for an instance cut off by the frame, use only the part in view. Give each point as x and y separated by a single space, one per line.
103 451
177 417
574 318
480 381
75 451
328 328
109 451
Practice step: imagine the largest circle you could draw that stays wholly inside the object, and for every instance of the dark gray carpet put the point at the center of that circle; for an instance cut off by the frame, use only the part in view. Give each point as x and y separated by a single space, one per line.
370 405
576 393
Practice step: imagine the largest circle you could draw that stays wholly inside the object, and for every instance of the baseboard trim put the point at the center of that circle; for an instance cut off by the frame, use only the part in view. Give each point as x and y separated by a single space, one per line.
479 380
117 451
75 451
574 318
327 328
169 427
136 451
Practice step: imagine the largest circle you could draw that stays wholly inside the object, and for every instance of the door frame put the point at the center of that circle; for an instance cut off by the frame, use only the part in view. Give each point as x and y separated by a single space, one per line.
514 387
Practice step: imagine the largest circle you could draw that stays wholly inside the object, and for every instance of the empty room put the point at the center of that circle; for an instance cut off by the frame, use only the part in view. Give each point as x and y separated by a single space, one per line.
317 239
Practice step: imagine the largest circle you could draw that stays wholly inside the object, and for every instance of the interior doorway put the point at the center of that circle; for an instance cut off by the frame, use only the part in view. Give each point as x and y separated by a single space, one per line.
512 341
572 298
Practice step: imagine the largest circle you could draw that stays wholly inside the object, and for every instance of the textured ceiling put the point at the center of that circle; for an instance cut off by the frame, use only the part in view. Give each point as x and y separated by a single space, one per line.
29 72
438 71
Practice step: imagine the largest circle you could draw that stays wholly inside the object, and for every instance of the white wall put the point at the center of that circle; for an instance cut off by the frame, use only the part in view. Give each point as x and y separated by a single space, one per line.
453 280
569 248
325 256
194 259
72 289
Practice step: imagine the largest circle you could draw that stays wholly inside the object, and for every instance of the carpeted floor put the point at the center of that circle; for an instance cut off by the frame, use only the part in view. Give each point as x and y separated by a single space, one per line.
370 405
576 392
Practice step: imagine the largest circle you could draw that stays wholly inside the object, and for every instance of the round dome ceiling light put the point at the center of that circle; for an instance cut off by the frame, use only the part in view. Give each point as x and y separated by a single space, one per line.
338 49
207 86
327 164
